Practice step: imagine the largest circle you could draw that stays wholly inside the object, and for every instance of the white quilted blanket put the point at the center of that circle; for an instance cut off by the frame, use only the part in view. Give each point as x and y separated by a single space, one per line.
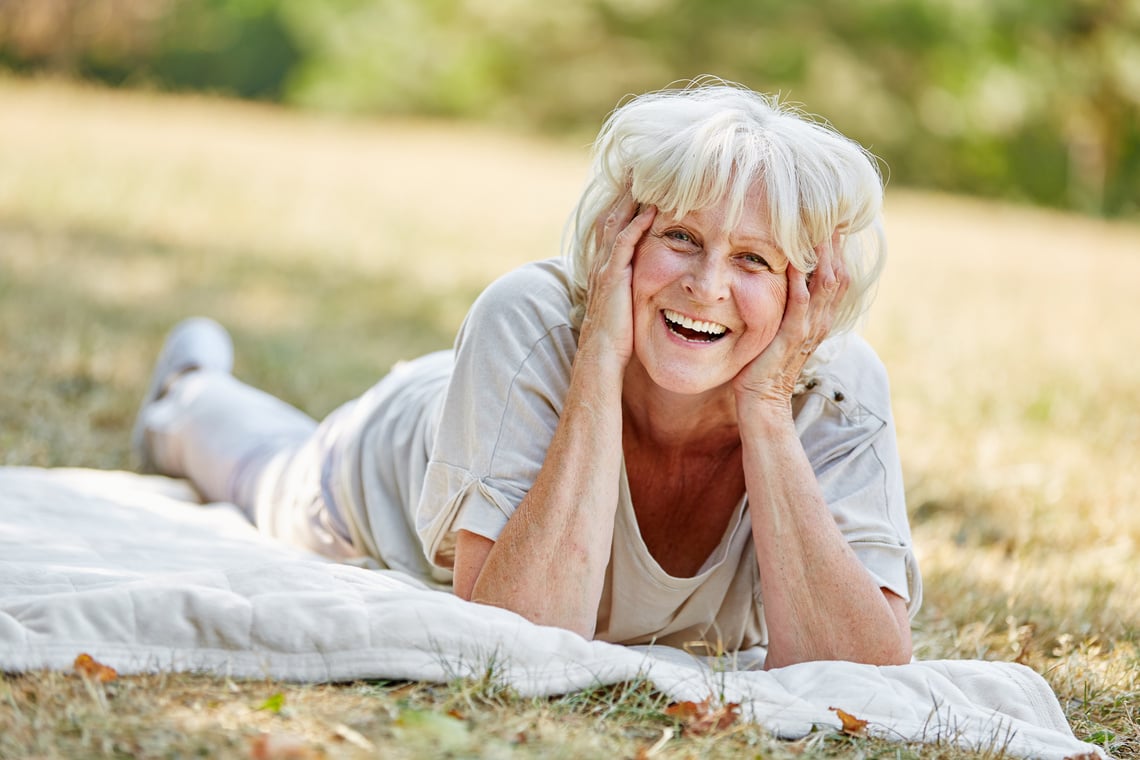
132 571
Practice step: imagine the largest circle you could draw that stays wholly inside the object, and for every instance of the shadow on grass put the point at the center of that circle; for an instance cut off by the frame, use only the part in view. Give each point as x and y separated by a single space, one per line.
83 314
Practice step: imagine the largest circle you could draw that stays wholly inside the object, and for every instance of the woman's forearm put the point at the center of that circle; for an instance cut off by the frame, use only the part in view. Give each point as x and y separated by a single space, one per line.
549 562
820 603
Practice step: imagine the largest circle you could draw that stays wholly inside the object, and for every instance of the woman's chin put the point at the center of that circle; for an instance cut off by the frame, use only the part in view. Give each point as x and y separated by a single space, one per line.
689 383
659 369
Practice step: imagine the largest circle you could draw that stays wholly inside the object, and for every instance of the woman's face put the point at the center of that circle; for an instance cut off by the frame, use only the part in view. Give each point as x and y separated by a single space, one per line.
706 300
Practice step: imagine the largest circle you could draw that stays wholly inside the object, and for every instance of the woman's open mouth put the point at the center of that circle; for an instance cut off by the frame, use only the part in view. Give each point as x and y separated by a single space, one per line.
693 330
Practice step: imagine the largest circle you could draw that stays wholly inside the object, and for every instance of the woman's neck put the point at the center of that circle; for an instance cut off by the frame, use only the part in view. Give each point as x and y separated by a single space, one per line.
653 416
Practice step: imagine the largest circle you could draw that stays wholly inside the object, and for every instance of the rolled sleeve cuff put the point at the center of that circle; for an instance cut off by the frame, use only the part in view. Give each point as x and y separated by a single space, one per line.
894 567
473 504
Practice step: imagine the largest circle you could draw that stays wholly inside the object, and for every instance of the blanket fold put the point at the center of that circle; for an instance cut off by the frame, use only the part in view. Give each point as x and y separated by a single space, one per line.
133 571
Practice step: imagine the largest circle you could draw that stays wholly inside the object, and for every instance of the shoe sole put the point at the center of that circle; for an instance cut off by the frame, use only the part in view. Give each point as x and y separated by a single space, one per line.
165 369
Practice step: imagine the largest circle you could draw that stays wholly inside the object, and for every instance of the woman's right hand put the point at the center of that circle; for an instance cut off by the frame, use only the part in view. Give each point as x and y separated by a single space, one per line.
607 329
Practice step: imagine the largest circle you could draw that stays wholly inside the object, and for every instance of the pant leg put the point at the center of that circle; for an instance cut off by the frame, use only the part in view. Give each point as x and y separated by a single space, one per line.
239 444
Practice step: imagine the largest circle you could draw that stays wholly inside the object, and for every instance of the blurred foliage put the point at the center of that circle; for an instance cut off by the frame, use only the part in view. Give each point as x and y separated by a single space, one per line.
1034 100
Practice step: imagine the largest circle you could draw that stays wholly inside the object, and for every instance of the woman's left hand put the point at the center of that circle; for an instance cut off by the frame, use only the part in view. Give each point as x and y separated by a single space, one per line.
809 314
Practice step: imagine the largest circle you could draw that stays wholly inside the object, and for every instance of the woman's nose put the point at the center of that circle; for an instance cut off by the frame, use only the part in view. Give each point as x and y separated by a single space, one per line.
708 280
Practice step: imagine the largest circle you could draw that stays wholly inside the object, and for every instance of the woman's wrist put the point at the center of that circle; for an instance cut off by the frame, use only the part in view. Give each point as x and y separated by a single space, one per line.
600 365
764 415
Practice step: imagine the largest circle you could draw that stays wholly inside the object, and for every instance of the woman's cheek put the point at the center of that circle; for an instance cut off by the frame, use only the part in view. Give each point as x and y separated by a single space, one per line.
639 251
776 297
768 302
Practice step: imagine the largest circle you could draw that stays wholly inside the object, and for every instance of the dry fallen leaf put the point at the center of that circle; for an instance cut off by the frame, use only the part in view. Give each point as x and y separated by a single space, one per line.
89 667
852 726
683 711
699 718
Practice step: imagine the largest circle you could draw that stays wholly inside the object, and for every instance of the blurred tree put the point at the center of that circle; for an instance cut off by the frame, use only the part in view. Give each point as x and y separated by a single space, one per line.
241 47
237 47
1037 100
77 36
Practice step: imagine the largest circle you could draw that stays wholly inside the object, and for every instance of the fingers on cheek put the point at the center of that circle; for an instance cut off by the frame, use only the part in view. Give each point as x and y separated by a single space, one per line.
798 292
627 238
814 283
617 218
622 214
598 271
609 232
842 278
830 281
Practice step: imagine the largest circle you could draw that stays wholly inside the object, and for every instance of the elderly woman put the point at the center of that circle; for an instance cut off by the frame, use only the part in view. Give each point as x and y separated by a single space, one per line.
671 436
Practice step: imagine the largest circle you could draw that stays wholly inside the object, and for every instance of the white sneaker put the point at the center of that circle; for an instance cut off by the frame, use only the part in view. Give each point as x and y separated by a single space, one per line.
194 343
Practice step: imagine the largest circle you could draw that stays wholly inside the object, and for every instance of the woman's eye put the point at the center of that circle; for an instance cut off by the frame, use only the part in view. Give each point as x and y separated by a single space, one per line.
680 236
755 261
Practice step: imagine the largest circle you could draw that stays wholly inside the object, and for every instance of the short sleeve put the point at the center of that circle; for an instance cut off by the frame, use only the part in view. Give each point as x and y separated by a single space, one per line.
513 357
844 421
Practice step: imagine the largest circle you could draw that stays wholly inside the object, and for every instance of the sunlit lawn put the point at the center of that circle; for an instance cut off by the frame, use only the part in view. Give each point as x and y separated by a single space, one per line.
333 249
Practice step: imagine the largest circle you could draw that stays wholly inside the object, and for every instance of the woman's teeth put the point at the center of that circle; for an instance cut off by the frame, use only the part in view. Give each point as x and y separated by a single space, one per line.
693 329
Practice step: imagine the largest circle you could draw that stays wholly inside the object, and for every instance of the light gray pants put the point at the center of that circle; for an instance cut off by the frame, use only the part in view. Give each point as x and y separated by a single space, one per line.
239 444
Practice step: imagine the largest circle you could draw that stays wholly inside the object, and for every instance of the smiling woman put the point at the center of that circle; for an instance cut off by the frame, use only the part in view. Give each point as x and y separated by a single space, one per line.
669 436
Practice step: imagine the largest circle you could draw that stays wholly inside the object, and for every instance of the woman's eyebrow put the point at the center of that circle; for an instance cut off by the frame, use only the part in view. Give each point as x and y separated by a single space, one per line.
757 241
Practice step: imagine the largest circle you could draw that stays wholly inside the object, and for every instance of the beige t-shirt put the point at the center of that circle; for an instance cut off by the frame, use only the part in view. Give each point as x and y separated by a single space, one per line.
502 403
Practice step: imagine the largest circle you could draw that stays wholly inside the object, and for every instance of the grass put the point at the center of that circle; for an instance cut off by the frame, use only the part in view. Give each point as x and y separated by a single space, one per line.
333 249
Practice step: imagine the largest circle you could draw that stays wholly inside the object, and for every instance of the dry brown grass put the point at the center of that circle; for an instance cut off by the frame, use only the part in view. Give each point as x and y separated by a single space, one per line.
333 249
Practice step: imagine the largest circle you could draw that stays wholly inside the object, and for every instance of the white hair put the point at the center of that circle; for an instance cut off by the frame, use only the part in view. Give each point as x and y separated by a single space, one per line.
687 149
